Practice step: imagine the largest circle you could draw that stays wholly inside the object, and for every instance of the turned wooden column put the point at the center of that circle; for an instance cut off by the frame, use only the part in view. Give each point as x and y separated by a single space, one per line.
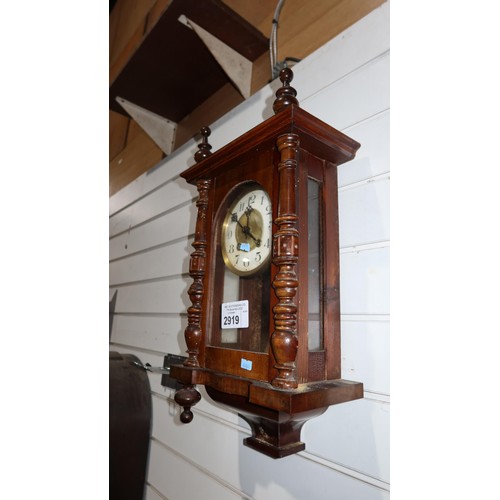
188 396
197 266
197 263
284 340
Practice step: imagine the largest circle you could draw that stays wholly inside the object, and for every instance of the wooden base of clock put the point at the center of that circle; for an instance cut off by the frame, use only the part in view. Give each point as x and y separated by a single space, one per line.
275 416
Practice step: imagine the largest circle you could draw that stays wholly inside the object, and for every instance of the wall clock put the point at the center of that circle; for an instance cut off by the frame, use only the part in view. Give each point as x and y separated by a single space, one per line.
263 333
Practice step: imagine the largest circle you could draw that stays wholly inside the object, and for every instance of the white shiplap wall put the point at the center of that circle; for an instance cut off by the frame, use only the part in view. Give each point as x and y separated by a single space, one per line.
346 84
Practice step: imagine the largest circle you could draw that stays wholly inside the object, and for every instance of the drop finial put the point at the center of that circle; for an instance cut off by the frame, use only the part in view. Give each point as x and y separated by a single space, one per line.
285 95
204 147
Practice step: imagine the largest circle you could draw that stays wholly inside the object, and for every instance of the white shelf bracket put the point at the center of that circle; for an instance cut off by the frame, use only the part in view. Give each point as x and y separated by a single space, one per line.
160 129
237 67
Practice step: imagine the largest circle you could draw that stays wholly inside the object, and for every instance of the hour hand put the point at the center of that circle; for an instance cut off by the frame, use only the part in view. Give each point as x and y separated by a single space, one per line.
234 218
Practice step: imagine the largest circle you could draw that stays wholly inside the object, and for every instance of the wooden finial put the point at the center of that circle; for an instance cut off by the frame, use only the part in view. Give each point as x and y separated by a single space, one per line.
285 96
204 147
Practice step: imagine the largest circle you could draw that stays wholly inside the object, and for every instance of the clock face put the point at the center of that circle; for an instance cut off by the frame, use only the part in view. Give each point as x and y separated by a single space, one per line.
246 238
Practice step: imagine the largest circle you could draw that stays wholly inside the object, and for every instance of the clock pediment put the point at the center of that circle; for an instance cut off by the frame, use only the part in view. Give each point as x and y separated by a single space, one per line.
316 136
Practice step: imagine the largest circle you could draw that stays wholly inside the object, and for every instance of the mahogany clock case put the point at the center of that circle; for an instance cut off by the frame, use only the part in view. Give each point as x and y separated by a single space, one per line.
288 382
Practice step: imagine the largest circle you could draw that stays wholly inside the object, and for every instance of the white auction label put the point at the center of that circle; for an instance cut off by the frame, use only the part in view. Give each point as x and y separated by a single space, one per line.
234 314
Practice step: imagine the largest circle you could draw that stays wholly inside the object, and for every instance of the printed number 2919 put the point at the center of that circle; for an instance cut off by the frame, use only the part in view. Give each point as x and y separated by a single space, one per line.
231 320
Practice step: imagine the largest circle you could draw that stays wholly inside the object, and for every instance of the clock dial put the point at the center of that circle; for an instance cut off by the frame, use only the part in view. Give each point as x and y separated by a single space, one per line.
246 233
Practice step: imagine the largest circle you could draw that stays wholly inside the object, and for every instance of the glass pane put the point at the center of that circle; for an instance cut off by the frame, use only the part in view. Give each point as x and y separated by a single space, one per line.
255 290
231 294
314 266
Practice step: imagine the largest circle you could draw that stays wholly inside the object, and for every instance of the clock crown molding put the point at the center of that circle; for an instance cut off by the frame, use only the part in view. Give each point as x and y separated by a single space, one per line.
289 118
333 145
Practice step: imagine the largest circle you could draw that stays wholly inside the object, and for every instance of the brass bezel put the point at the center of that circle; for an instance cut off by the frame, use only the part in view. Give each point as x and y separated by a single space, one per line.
242 193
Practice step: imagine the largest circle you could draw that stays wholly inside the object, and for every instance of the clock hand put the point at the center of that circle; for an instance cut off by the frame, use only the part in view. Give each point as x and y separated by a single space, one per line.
234 218
246 230
257 242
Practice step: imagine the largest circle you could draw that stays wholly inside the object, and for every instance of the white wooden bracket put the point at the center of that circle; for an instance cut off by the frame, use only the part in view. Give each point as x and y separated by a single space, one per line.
160 129
237 67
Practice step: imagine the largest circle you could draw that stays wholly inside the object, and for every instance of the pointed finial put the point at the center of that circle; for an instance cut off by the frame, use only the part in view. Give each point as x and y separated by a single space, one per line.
204 147
285 96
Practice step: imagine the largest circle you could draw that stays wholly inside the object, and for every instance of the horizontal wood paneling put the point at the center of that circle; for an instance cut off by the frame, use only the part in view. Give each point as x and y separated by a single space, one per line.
167 197
309 28
156 333
347 448
169 227
166 468
163 262
158 297
364 282
365 344
155 178
209 443
372 158
364 218
364 213
369 85
359 425
365 353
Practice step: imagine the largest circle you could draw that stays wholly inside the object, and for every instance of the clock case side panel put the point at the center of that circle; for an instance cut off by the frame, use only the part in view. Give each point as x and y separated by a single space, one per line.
331 256
322 363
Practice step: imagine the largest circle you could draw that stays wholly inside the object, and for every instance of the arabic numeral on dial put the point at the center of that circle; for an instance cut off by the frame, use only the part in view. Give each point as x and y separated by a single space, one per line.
258 257
231 249
251 199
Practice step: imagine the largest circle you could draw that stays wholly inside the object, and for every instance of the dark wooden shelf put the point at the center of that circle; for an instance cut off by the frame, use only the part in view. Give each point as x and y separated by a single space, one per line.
172 72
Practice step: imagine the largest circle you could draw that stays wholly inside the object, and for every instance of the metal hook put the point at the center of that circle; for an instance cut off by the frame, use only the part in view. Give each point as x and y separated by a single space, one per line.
152 369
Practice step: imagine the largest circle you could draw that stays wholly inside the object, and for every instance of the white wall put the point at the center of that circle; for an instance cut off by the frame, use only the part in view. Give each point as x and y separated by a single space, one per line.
346 84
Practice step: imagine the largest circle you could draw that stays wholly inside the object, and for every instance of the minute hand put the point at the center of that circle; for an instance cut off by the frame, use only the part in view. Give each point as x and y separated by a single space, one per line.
246 229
